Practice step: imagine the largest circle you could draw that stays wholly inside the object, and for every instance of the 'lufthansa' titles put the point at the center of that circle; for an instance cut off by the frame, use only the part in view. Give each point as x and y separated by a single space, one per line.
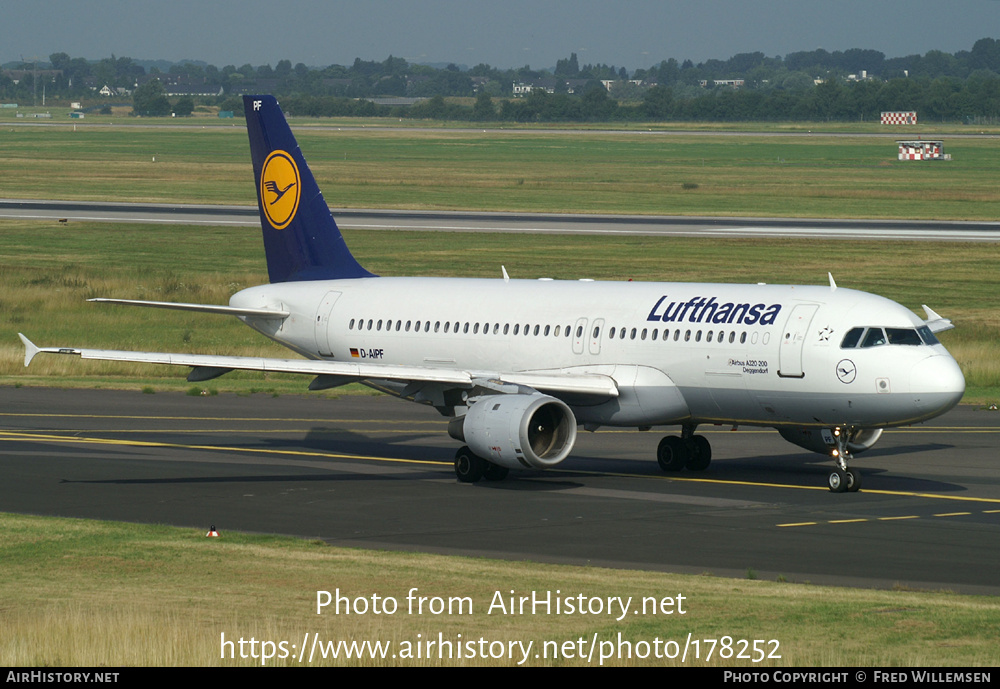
708 310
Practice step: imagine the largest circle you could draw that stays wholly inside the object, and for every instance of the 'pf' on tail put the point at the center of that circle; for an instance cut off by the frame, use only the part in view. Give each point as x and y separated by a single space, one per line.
301 238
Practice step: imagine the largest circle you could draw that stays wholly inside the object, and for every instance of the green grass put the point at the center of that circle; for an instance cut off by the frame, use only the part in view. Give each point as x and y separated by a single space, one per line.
95 594
546 171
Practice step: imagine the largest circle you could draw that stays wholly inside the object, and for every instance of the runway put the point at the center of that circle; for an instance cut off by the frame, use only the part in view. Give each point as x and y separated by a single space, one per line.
375 472
535 223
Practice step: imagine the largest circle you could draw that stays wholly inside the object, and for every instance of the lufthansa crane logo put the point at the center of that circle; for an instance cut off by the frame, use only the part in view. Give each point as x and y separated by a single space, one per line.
280 189
846 371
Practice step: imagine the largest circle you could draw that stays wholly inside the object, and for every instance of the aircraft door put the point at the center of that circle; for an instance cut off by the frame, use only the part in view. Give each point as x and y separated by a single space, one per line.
323 314
595 335
792 340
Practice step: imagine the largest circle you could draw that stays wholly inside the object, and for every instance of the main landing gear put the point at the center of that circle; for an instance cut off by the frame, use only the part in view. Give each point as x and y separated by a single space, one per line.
685 451
470 467
843 479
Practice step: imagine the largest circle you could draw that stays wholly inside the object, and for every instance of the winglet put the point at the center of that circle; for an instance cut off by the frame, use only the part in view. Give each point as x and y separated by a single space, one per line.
30 349
935 321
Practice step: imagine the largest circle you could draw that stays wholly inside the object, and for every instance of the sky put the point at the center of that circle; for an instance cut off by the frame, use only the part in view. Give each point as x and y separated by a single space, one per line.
501 33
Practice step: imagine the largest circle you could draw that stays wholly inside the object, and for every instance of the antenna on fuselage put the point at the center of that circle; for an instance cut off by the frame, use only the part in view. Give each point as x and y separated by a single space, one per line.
506 278
833 285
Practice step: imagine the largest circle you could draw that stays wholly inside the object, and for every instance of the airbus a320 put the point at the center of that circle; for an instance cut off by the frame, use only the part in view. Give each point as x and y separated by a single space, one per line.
519 365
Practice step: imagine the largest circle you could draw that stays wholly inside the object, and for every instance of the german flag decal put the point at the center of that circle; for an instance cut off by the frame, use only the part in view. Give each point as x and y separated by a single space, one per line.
280 189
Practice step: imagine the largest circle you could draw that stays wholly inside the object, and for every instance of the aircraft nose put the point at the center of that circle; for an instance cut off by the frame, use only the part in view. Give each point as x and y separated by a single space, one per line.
937 383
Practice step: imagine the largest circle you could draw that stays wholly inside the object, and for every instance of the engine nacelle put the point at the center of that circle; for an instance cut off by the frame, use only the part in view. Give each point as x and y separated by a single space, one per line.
821 439
518 431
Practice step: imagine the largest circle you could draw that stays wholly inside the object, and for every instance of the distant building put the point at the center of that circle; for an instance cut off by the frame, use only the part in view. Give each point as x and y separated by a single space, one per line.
922 150
899 117
732 83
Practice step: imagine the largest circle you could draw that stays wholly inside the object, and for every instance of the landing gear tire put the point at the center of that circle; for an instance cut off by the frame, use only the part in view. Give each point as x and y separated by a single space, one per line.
700 453
469 467
853 480
495 472
838 481
672 453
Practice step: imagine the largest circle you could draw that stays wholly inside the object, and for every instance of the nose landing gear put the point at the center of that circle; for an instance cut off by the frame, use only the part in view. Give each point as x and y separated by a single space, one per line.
842 479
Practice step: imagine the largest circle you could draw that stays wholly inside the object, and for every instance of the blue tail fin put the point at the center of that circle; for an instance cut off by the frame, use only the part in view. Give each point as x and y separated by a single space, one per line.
301 239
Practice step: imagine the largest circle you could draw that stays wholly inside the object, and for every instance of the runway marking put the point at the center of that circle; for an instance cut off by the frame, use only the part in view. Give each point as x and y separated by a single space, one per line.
888 519
207 418
38 437
5 435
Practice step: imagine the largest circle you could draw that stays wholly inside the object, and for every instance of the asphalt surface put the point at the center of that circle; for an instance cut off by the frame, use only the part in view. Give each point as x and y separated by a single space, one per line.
535 223
375 472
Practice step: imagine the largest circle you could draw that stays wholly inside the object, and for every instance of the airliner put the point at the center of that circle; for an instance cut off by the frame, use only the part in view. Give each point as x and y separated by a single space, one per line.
519 365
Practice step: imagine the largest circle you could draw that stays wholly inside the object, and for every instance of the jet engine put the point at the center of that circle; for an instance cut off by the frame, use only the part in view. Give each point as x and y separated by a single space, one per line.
816 439
517 431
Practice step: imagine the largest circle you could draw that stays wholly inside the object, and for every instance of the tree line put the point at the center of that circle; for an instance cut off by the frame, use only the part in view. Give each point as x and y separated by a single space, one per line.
849 85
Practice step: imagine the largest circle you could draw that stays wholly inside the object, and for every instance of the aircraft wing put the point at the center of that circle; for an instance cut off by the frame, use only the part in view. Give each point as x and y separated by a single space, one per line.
202 308
209 365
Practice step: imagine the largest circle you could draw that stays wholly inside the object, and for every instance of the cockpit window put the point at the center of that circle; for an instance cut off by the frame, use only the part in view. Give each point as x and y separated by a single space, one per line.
851 338
927 336
873 338
903 336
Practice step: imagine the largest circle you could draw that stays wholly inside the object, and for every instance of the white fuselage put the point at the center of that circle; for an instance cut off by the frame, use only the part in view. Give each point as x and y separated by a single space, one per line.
767 355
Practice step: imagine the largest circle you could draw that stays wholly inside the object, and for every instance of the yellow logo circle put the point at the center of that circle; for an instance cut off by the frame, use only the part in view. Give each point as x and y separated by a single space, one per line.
280 189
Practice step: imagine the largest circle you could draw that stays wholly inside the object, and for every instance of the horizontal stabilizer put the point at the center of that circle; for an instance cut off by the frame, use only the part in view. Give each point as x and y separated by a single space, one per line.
203 308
